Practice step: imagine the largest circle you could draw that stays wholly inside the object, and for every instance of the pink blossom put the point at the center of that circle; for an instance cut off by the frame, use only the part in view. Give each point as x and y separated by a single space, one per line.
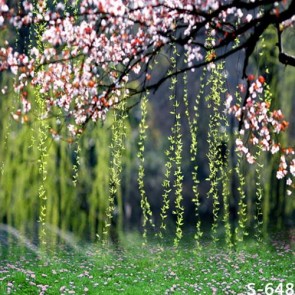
250 158
249 17
275 148
292 167
289 181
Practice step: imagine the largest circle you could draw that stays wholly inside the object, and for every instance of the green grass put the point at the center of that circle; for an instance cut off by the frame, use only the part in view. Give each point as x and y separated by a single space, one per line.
153 269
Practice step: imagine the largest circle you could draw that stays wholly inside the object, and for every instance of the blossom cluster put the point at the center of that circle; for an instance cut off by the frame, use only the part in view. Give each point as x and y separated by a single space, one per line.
260 124
90 52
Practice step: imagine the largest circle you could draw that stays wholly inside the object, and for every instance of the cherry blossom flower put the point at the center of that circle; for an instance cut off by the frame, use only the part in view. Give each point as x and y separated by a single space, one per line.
259 123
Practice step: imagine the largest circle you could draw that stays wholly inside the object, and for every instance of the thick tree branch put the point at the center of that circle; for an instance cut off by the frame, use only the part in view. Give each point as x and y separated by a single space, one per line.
287 59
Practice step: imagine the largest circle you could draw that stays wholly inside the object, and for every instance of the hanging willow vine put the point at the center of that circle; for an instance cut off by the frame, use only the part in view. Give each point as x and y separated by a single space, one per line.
117 146
174 162
42 137
144 203
258 216
240 230
193 127
98 198
215 161
178 174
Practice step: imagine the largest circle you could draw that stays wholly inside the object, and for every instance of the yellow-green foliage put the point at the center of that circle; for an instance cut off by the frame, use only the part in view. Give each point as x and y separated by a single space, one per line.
193 128
215 138
145 206
79 205
117 147
174 162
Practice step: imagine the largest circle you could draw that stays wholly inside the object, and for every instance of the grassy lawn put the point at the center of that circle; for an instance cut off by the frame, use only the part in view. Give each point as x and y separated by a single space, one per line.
153 269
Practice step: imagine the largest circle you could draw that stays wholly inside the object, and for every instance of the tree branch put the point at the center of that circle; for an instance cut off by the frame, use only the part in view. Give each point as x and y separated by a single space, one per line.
287 59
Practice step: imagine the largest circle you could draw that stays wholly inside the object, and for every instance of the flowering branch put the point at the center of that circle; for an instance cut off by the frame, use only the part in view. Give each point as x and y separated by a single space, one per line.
93 54
259 125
